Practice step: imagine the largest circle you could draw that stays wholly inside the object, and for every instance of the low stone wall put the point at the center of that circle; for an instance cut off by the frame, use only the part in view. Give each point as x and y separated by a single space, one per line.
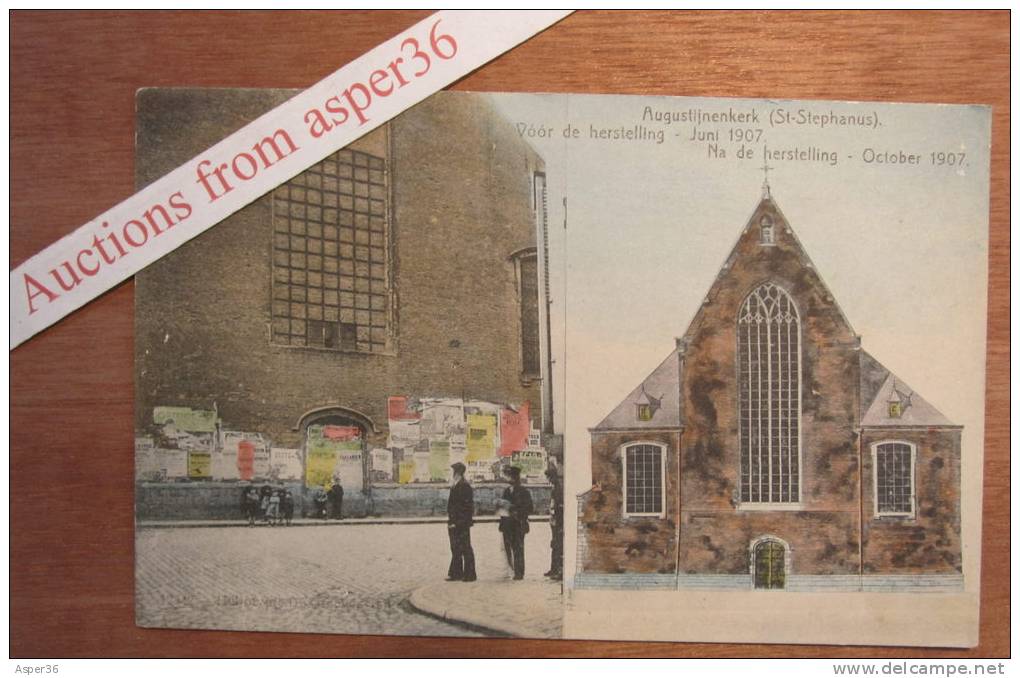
916 583
222 500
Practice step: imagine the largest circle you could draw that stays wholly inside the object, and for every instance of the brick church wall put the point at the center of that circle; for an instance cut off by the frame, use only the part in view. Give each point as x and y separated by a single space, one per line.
461 205
618 543
715 534
929 542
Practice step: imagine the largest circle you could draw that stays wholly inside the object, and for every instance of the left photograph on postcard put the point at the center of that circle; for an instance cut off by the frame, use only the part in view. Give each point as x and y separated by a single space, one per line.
345 415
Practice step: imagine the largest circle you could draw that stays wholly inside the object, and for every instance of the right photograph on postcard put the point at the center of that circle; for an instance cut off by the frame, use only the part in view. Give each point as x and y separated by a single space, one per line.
773 355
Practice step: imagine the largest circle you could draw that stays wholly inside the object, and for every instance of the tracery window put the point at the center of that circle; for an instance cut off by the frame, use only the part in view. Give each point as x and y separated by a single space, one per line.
768 355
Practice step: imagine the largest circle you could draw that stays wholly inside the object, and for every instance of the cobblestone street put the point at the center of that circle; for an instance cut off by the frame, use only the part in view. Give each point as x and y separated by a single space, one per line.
325 579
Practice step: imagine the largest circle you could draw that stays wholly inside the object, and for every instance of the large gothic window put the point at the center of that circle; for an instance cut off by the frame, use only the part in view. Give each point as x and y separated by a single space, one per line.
768 354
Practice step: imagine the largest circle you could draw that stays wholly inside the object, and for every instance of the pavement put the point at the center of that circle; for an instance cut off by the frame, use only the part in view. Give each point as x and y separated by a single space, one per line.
531 608
367 576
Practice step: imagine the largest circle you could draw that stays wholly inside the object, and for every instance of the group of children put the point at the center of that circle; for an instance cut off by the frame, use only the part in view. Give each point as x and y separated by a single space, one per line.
267 505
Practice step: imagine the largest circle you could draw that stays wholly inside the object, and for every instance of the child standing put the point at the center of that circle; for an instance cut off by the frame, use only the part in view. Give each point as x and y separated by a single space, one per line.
273 512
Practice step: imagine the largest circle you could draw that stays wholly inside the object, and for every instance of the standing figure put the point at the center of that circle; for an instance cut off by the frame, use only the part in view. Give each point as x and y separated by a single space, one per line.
503 514
336 499
319 499
264 494
517 524
273 510
287 507
244 501
251 505
555 524
460 511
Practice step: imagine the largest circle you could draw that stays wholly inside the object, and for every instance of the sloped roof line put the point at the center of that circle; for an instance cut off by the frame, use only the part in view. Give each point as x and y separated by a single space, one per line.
666 379
917 412
732 256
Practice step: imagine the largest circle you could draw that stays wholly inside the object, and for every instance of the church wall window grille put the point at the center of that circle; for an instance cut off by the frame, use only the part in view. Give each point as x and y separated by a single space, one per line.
768 355
332 256
894 478
526 264
643 479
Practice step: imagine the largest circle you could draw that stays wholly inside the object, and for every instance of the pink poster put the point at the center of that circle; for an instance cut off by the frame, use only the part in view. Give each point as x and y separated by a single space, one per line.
513 429
397 409
246 459
332 432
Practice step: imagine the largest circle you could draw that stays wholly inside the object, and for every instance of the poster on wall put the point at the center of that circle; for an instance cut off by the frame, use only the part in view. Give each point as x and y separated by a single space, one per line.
284 463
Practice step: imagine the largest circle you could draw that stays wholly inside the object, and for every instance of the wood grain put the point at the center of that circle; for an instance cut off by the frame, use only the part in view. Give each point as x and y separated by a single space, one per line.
73 77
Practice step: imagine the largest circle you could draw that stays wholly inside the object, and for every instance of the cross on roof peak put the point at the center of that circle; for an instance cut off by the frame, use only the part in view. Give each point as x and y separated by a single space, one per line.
765 167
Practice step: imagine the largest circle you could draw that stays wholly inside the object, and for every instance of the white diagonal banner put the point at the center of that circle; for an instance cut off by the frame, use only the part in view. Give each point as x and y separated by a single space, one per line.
258 157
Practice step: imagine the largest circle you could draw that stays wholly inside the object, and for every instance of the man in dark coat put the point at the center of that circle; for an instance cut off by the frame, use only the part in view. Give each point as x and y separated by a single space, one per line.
336 499
460 511
556 524
516 526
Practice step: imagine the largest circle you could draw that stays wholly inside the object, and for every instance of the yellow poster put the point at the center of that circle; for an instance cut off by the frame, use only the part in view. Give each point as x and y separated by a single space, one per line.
319 466
406 471
481 437
185 419
199 465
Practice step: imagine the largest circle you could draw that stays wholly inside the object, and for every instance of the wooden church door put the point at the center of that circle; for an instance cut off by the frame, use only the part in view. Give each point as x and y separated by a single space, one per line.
769 565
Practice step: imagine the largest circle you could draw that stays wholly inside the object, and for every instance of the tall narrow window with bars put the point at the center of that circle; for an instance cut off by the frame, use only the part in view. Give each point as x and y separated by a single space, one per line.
643 469
894 479
768 355
526 262
331 256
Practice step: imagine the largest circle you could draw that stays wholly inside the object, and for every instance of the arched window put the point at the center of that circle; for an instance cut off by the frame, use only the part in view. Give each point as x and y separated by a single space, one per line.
768 236
526 266
768 355
894 478
644 473
770 563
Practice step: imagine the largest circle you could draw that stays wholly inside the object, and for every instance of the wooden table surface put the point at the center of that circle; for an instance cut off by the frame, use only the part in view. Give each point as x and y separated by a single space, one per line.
73 76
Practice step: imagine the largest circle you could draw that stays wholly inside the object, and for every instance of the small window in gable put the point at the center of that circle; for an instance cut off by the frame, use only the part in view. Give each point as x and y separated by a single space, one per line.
768 233
647 405
898 402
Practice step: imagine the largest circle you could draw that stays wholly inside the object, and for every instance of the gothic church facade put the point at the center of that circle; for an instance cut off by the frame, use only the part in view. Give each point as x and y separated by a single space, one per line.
770 451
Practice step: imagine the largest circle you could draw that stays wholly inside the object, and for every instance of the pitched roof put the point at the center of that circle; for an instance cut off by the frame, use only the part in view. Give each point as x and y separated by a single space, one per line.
878 385
915 410
662 386
766 206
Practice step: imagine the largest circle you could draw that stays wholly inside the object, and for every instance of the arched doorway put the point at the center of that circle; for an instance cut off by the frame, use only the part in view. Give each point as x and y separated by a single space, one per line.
335 444
769 563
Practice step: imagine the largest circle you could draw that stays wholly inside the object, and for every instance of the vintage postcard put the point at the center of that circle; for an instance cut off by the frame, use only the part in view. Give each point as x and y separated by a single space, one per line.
575 366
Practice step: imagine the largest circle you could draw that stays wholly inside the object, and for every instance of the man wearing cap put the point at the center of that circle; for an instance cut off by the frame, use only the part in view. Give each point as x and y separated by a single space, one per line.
555 524
460 511
517 525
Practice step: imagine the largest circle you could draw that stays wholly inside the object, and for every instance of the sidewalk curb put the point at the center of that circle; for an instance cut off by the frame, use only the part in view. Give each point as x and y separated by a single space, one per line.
421 600
315 522
436 600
